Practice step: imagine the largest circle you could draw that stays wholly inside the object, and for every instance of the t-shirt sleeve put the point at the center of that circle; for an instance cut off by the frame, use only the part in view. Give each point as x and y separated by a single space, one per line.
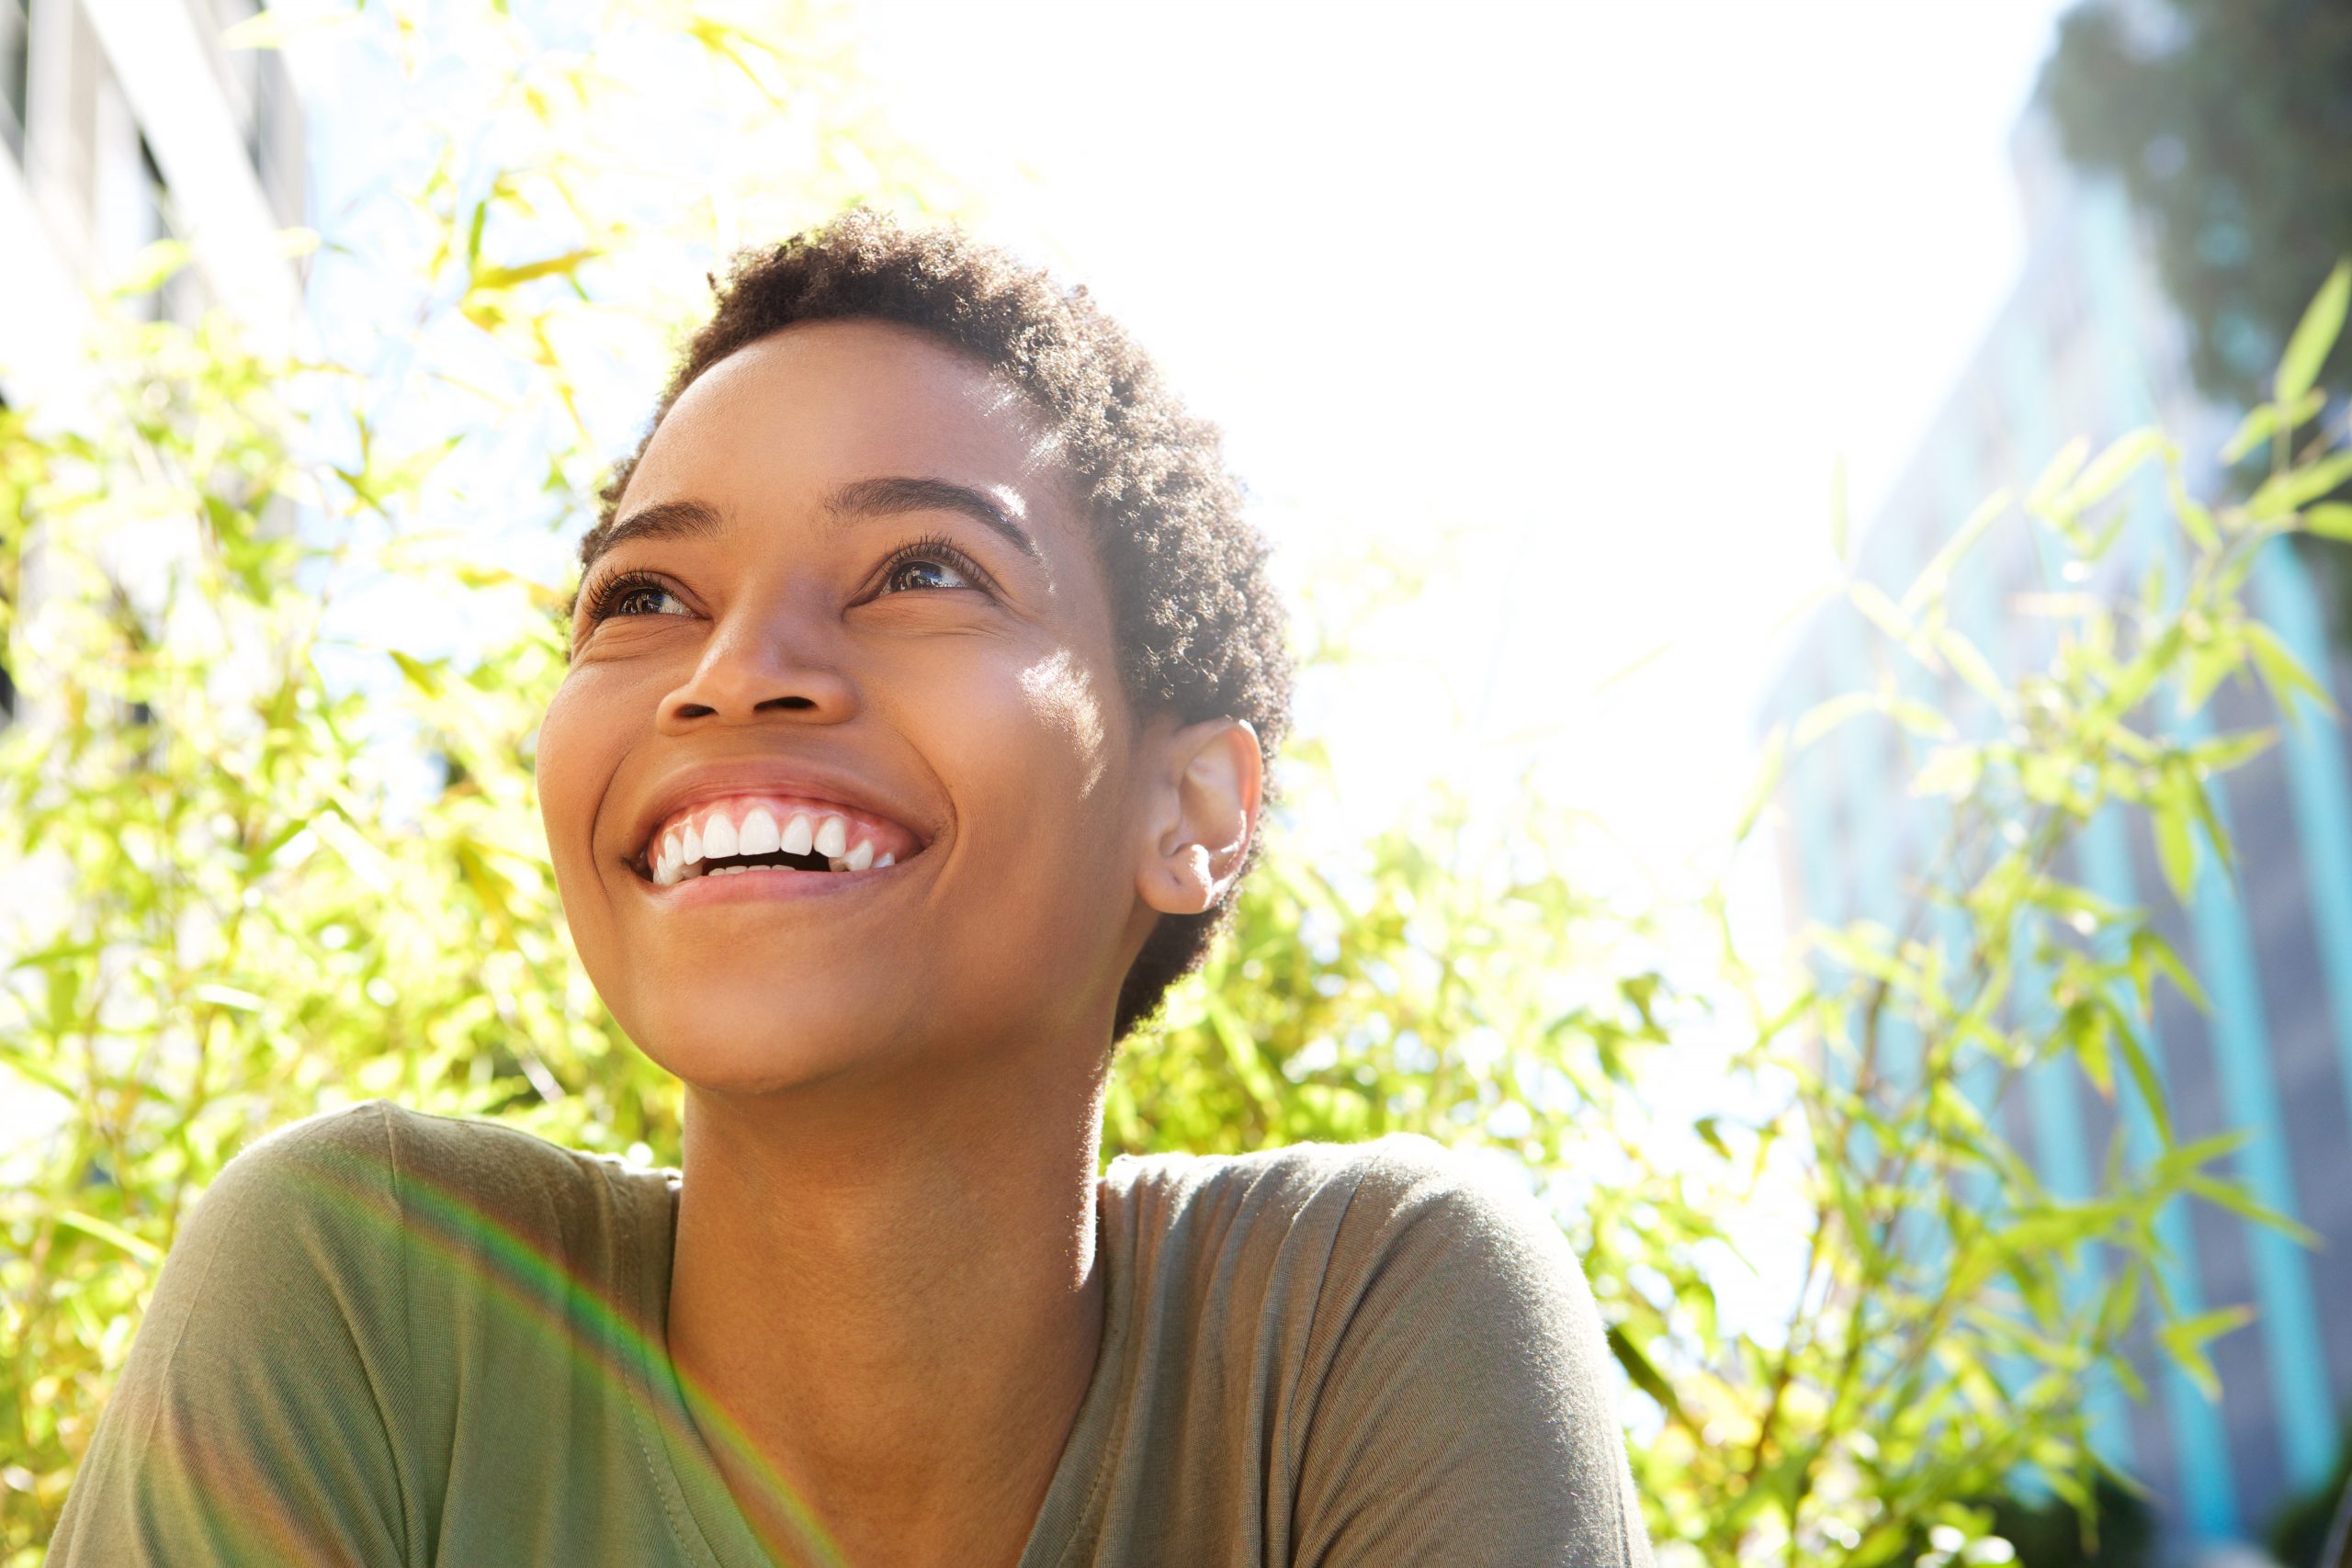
1467 1413
250 1423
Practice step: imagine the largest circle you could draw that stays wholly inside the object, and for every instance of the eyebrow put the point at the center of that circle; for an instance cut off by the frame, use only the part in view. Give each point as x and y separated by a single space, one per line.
894 494
887 496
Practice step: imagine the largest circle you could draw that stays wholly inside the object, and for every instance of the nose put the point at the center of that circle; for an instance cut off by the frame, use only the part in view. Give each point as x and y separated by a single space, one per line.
762 664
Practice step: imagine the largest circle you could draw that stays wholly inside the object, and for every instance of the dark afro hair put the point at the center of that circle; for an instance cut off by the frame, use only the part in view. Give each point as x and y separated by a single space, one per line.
1200 631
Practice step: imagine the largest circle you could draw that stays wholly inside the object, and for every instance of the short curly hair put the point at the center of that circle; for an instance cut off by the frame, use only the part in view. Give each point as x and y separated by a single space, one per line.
1199 629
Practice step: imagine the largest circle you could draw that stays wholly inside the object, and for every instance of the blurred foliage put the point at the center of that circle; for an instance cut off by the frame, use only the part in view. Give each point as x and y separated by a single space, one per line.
247 903
2044 1531
2048 1534
1458 978
2229 123
2317 1519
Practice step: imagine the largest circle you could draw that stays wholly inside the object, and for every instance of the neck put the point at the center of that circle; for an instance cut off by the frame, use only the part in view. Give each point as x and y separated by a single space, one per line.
888 1296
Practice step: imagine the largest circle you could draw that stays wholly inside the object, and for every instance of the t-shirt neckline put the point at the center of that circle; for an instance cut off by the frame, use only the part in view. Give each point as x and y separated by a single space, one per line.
703 1514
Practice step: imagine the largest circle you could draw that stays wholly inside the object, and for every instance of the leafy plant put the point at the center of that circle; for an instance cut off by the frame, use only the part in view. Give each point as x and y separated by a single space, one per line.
252 904
1946 1308
268 856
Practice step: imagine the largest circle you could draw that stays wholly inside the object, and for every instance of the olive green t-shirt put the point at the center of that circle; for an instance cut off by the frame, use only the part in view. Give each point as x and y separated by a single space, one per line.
386 1338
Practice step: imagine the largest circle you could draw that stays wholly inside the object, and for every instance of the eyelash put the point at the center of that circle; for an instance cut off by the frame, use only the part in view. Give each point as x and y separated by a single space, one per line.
619 586
939 548
932 548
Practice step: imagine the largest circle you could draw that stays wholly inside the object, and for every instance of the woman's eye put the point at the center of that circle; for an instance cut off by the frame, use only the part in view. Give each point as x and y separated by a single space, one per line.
642 599
921 574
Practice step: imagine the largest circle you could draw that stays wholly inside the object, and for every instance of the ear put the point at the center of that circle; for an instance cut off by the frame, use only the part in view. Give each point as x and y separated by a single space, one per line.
1206 785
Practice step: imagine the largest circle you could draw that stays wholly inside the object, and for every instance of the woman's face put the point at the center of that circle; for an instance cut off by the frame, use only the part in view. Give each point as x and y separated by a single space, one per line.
851 618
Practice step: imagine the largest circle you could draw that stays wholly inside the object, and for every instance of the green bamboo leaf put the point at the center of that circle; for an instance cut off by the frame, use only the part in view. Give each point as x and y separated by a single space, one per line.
2185 1340
1644 1374
2143 1076
1951 771
2177 1165
2297 488
2195 517
155 266
2059 474
2107 472
1827 714
2283 673
421 675
1880 610
2086 1031
2329 520
62 953
2176 848
22 1060
2267 420
2234 1197
114 1236
1936 577
2315 335
2227 751
2252 429
1972 666
2201 802
497 277
1918 718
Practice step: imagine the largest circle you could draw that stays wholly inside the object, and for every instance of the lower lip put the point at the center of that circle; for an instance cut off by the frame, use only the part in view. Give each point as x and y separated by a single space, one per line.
760 886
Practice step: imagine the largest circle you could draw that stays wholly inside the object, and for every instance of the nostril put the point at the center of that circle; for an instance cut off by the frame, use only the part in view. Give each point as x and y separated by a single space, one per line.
789 704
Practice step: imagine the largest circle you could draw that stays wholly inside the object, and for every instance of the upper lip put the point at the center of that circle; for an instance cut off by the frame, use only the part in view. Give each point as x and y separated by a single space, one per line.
753 775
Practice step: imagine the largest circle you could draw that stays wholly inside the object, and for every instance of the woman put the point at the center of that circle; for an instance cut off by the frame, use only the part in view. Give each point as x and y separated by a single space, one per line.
911 748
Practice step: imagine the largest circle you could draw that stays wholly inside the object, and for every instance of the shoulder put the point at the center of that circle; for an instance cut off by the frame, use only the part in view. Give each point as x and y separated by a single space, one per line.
1346 1242
375 1186
326 1172
1422 1334
378 1152
1401 1194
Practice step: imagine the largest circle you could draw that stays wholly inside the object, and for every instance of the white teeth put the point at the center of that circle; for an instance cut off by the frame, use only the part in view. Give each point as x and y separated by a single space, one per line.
669 861
683 851
717 837
759 836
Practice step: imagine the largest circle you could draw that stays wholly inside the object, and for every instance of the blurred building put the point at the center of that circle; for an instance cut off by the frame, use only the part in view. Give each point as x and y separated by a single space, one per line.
123 122
2087 344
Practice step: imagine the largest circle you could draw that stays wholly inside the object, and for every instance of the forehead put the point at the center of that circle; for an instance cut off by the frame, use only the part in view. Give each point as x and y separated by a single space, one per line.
796 413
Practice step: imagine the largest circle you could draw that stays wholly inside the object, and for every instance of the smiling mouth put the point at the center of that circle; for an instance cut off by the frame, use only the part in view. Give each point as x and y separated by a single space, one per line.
736 837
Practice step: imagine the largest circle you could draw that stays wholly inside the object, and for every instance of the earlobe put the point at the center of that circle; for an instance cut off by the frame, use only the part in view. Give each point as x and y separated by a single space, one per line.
1205 812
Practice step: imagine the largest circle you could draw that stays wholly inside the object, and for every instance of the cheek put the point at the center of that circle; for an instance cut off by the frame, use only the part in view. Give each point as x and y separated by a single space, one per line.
576 755
1030 746
1064 703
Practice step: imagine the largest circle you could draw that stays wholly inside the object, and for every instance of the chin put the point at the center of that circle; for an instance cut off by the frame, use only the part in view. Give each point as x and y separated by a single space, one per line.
763 1040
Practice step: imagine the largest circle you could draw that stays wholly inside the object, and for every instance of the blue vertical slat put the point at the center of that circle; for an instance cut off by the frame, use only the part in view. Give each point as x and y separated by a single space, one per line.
2238 1028
2317 784
2201 1445
2053 1100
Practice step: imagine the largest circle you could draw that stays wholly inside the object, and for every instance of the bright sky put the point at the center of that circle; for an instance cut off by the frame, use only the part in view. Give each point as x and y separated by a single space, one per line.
1608 286
1577 305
